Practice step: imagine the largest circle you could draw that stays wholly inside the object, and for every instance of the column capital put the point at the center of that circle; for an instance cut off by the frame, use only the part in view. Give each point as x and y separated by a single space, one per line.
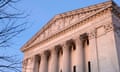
59 49
44 55
69 42
54 51
47 52
83 36
65 46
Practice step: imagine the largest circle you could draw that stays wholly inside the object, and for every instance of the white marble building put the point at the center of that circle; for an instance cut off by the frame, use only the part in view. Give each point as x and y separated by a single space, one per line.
82 40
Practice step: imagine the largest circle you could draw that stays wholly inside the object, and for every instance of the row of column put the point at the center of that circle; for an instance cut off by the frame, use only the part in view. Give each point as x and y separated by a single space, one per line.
54 64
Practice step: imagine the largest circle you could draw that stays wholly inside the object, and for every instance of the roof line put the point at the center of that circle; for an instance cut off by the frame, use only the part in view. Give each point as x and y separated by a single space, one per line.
59 16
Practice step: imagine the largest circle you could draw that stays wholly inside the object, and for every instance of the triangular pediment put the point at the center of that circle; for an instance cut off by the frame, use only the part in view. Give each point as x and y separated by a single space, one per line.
64 20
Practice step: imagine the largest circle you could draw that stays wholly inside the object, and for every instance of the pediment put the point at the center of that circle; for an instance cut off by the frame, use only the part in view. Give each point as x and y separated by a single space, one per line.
64 20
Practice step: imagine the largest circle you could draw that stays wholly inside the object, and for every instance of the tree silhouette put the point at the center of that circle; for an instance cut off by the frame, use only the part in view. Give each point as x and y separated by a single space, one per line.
9 29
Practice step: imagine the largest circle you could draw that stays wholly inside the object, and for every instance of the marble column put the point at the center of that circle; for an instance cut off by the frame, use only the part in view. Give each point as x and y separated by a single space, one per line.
24 65
79 55
66 58
44 63
54 61
36 63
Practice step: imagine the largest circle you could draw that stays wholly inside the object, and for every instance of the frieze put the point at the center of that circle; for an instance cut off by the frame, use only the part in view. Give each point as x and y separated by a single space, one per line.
71 28
92 34
60 25
108 27
100 31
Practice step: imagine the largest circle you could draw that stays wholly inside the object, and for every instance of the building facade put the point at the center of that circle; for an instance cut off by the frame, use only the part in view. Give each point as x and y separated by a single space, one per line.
82 40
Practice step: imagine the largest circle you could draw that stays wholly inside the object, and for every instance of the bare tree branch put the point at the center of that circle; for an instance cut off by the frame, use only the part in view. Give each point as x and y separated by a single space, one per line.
4 2
9 29
11 64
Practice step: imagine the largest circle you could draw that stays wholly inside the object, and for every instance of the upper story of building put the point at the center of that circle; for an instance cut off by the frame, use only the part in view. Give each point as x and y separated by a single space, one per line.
83 20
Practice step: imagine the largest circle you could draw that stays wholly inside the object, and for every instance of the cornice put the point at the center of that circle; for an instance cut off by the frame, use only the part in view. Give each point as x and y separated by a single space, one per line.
107 6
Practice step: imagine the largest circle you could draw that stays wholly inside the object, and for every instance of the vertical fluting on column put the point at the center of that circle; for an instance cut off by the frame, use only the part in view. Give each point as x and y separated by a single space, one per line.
24 65
71 46
36 63
54 61
60 58
83 41
79 54
66 58
44 63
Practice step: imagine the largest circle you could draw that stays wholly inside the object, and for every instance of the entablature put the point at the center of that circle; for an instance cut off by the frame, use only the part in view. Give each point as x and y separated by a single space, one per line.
65 22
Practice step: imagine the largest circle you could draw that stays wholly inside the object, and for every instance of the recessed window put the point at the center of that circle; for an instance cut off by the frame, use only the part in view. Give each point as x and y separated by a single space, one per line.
74 68
89 66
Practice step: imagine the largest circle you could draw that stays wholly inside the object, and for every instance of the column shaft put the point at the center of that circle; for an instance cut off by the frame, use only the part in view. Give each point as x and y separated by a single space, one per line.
79 55
54 61
43 64
36 63
66 59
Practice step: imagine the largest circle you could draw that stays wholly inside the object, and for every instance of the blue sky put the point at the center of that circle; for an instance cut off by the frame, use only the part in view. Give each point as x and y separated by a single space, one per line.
40 12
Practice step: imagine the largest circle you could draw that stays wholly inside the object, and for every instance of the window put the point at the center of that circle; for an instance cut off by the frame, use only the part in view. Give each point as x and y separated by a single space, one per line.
89 66
74 68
